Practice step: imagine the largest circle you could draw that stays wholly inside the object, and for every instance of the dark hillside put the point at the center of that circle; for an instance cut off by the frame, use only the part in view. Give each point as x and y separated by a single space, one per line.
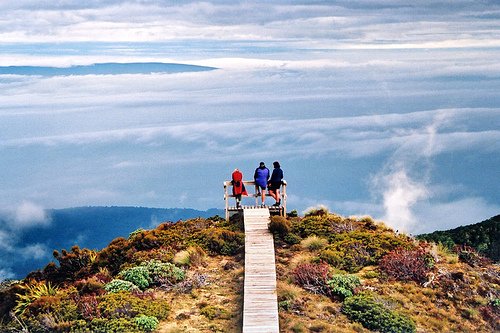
484 237
93 228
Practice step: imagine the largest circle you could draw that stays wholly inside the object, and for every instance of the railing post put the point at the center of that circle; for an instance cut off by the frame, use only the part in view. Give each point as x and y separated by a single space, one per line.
226 199
283 197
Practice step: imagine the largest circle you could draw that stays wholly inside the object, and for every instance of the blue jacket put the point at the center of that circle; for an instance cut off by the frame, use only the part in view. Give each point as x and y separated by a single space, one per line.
261 176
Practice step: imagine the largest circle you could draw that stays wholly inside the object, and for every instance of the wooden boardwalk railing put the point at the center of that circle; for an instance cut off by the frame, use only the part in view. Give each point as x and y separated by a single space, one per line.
249 185
260 305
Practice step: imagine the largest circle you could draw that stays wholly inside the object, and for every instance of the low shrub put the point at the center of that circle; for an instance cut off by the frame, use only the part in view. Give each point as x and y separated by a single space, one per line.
354 250
292 238
91 286
138 275
161 253
135 233
407 265
114 255
343 286
118 285
214 312
128 305
469 255
186 286
312 277
491 313
101 325
146 323
375 316
312 225
279 225
145 240
351 258
163 272
288 297
88 307
72 265
220 241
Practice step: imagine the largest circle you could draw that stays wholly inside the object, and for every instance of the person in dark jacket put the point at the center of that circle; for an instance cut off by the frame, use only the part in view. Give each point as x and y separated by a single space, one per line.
275 183
261 177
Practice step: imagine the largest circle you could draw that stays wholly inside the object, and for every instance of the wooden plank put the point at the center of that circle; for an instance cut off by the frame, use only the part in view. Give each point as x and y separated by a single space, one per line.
260 307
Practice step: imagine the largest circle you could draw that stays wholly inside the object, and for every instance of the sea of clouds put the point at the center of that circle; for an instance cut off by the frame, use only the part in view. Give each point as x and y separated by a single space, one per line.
372 107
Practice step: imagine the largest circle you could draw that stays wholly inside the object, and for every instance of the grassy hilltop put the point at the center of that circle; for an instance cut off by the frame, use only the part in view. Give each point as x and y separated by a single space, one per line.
335 274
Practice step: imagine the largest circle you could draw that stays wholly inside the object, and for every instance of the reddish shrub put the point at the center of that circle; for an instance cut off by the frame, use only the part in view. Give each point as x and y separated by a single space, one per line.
145 240
491 313
114 255
74 264
90 286
88 307
407 265
312 277
470 256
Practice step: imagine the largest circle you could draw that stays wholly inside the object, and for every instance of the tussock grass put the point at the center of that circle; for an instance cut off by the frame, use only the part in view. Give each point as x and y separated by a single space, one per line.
314 243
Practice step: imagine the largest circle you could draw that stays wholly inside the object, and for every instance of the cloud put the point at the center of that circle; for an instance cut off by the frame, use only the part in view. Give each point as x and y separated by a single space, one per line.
321 25
358 136
399 195
5 273
450 214
28 215
13 249
34 251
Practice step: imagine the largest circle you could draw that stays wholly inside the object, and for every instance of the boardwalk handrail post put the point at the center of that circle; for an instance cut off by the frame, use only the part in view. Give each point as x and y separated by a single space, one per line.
226 199
283 197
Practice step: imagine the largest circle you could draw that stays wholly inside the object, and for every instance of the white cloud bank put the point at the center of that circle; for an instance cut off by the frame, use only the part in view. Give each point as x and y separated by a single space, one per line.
29 214
296 81
13 222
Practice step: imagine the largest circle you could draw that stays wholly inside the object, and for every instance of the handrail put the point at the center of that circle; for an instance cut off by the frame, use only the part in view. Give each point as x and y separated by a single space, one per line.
227 184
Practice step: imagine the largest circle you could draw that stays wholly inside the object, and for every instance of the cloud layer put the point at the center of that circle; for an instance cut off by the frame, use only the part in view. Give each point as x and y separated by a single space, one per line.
373 107
13 223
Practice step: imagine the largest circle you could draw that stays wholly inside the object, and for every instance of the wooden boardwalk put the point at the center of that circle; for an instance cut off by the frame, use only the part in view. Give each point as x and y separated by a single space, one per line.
260 307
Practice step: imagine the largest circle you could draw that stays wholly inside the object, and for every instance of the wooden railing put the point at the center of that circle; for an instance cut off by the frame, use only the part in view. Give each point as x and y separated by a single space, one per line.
249 184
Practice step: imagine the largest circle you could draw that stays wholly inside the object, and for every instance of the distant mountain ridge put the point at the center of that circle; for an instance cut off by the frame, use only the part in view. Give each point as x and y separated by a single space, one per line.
111 68
94 228
483 236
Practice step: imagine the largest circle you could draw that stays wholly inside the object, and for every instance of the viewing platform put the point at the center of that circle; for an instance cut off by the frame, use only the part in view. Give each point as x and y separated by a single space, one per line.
249 185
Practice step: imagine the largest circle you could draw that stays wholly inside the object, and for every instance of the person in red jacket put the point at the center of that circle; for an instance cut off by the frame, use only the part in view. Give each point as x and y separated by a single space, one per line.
238 186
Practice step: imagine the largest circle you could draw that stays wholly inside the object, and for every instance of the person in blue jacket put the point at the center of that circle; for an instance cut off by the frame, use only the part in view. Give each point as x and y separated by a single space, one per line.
261 177
274 183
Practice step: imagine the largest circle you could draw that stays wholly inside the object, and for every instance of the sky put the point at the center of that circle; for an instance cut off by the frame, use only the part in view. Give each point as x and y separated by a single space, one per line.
386 108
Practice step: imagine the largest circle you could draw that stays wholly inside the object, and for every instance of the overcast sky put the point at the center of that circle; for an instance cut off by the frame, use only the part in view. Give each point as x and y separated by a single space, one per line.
386 108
